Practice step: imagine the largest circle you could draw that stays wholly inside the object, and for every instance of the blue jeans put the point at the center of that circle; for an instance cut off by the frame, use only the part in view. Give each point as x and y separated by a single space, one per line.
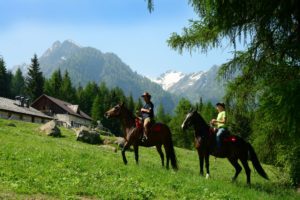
219 135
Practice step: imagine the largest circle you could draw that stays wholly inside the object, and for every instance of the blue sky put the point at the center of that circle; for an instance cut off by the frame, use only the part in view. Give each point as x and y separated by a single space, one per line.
124 27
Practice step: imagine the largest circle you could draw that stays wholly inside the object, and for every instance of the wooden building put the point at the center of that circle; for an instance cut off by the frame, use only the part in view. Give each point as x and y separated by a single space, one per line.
65 113
20 110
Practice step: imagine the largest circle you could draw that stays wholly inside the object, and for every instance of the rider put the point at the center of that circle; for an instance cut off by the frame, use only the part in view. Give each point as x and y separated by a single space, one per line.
220 122
147 114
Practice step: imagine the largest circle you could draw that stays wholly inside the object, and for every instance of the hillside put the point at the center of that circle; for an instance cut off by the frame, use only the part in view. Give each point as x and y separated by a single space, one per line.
194 85
86 64
34 166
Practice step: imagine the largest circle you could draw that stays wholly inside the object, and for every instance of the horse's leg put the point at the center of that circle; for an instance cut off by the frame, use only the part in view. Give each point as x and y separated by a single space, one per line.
136 153
126 146
201 161
207 164
158 148
237 167
167 155
247 169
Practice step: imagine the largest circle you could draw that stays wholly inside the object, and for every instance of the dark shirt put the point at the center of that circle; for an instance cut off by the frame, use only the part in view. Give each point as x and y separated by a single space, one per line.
150 107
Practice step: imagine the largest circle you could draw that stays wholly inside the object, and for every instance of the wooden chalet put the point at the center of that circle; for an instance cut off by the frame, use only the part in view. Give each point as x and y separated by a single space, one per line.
65 113
19 109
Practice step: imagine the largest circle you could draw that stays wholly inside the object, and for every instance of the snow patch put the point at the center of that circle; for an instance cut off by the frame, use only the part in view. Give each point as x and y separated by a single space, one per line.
196 76
168 79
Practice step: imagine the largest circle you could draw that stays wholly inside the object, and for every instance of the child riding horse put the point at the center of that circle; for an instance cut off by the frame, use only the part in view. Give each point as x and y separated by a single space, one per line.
234 148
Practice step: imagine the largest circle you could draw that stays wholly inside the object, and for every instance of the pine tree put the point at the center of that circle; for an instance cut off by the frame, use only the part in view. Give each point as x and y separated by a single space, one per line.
53 85
4 80
96 109
34 80
117 96
18 83
181 139
67 91
161 116
101 104
200 106
87 96
208 112
138 105
130 103
104 95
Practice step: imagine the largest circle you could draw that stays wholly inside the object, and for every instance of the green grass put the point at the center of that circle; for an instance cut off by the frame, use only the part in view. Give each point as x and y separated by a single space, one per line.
35 166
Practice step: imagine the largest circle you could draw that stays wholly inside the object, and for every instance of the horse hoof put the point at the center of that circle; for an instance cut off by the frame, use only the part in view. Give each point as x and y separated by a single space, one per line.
207 176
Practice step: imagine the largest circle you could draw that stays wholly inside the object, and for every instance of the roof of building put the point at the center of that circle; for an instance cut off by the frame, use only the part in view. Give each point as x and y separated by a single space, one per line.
12 106
68 107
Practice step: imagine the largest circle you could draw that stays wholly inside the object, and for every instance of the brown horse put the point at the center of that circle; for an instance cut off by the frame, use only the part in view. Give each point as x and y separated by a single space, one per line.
234 148
159 135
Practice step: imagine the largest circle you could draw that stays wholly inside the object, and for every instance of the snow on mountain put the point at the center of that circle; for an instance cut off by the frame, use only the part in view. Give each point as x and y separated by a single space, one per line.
194 77
194 85
168 79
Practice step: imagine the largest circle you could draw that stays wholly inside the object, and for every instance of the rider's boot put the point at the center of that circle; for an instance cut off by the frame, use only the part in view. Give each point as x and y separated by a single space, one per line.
145 137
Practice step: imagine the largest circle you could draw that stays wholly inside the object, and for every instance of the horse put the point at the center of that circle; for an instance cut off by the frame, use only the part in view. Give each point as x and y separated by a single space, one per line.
233 148
159 134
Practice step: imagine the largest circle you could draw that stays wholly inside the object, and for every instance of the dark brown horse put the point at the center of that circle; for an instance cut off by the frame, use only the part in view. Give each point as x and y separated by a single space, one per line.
234 148
159 135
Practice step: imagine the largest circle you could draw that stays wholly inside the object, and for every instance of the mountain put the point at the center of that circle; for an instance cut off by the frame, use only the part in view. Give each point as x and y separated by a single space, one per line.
193 85
23 67
86 64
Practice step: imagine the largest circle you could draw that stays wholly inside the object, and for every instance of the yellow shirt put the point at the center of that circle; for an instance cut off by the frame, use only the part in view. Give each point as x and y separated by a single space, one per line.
221 117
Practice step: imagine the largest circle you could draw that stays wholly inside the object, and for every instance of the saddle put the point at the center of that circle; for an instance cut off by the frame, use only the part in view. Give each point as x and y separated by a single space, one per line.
139 122
227 137
153 127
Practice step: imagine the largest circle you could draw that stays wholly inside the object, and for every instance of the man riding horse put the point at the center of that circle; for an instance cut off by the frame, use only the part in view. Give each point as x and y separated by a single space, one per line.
147 114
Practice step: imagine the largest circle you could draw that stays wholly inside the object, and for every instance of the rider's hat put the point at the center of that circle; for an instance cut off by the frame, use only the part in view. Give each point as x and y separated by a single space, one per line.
146 94
221 104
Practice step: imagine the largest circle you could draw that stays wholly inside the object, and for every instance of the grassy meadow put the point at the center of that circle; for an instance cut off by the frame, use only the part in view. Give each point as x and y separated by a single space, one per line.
35 166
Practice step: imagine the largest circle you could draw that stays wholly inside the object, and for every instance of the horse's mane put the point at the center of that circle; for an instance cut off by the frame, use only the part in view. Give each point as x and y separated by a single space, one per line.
201 121
130 114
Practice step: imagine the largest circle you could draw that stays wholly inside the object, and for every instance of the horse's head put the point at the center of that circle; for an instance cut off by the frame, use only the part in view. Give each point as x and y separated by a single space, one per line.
114 111
189 119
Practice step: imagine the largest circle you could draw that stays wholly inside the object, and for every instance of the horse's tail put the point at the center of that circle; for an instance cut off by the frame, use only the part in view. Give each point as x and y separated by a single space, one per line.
256 163
172 152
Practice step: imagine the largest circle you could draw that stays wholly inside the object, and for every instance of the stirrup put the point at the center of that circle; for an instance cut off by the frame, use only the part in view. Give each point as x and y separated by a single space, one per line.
144 138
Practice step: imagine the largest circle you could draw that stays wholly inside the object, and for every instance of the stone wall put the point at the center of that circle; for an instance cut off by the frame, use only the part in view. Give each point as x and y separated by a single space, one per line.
21 117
